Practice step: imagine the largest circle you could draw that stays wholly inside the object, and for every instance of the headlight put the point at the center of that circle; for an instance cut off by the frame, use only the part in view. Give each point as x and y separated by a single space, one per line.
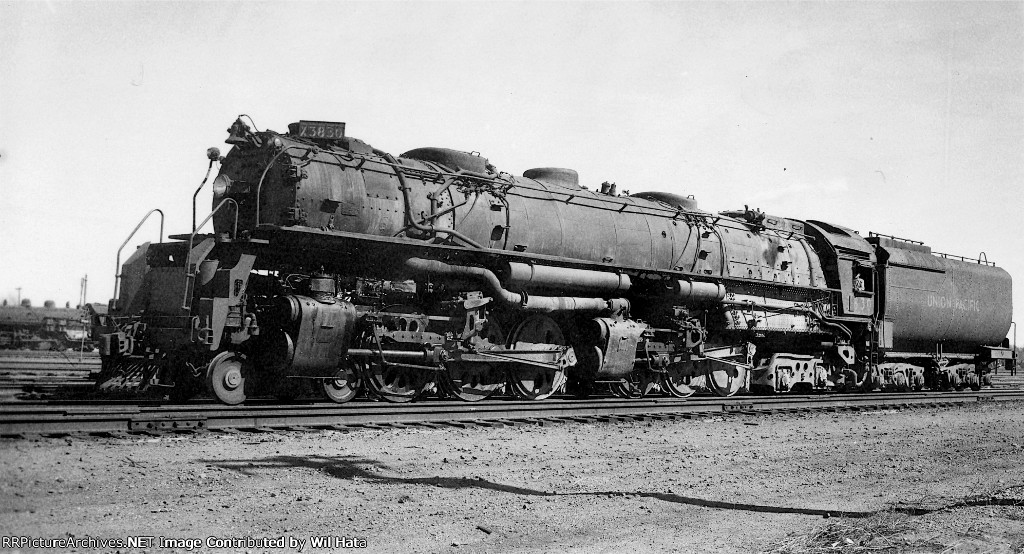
221 185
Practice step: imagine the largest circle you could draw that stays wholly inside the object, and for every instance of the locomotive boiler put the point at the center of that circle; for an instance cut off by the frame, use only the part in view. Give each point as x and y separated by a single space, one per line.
338 265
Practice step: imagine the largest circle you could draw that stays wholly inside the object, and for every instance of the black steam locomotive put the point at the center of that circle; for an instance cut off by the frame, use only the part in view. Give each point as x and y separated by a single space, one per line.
47 327
336 264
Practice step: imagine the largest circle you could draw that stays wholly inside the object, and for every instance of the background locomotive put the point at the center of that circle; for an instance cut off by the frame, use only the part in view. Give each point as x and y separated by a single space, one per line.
336 263
46 327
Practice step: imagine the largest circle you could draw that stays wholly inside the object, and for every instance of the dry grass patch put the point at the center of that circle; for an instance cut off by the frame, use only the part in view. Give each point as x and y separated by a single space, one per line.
884 532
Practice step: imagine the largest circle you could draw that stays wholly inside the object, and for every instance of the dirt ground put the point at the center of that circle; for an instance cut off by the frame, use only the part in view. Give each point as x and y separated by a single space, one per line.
910 481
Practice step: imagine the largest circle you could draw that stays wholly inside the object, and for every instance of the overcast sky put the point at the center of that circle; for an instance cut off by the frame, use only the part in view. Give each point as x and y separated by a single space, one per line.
900 118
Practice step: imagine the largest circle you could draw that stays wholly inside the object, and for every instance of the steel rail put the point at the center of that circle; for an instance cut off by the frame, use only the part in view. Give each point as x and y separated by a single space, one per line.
43 354
68 367
62 419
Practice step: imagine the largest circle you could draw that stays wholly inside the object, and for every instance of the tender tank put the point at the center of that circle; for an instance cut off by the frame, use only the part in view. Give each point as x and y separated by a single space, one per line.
931 299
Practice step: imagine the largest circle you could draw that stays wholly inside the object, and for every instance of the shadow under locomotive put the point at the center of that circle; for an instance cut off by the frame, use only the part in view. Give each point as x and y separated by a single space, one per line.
352 468
339 266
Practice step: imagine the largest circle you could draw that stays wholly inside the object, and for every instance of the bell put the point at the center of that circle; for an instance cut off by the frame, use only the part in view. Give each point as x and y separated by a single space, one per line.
239 133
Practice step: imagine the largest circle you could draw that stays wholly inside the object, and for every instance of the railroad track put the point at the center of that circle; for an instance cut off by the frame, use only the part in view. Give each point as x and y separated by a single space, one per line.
45 354
38 372
21 420
14 361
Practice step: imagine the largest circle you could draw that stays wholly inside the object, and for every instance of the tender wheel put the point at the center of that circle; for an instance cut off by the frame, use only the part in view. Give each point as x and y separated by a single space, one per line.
917 382
846 382
872 380
973 381
900 381
530 382
344 387
471 382
226 377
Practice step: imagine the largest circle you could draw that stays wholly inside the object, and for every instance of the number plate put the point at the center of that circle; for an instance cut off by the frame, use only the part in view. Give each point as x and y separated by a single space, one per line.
320 130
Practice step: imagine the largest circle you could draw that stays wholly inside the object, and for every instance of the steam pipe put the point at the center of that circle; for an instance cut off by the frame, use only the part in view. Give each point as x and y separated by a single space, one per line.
408 205
544 304
698 291
522 274
825 320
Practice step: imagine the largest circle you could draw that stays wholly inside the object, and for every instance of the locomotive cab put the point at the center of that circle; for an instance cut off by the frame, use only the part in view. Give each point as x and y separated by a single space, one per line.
849 263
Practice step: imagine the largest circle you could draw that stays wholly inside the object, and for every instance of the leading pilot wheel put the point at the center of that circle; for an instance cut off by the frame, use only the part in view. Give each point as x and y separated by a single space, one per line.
226 376
532 382
343 387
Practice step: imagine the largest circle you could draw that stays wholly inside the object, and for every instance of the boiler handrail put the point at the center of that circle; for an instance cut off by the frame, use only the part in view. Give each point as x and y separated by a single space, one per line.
259 186
190 273
214 155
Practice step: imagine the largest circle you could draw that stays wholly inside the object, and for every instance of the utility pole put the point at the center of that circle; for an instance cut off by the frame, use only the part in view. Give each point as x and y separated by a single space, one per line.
84 314
19 294
82 292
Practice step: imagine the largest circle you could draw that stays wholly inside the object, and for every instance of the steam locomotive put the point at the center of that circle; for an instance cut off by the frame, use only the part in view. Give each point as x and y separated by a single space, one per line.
46 327
337 265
